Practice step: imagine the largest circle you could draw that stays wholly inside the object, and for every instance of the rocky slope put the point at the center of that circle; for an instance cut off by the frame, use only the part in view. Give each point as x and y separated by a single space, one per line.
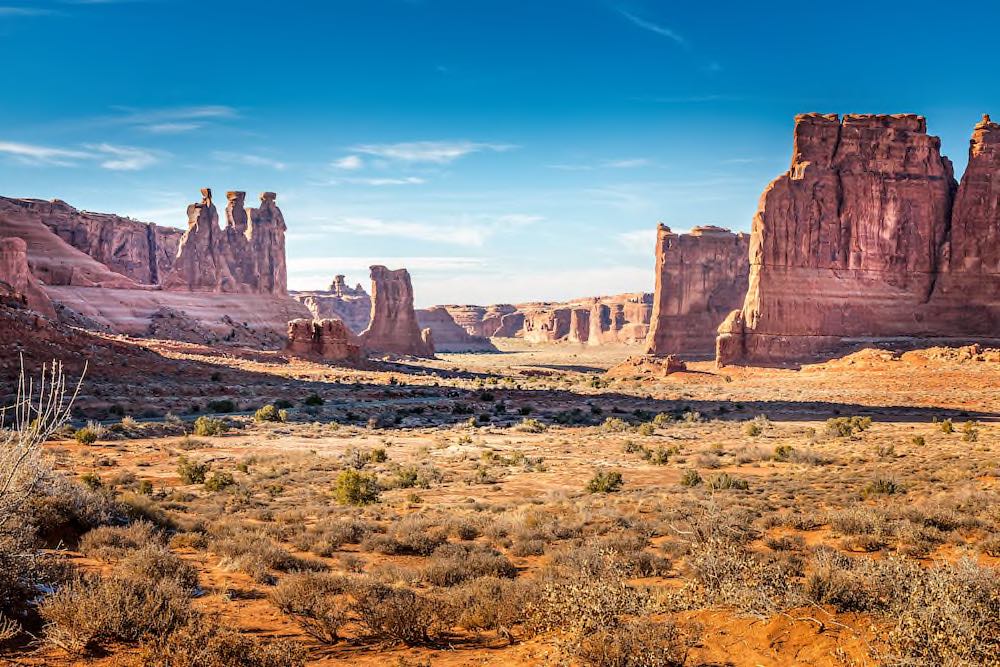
448 335
700 277
17 281
868 236
330 340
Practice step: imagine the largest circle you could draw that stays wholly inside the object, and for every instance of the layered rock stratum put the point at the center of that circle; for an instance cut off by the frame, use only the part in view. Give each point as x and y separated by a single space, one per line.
394 327
701 277
448 336
867 236
16 279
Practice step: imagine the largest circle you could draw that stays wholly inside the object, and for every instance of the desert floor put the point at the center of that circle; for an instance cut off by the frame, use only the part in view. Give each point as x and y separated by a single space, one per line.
495 451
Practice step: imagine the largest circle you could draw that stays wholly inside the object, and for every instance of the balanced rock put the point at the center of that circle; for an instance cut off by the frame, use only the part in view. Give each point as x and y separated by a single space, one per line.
394 327
700 277
330 340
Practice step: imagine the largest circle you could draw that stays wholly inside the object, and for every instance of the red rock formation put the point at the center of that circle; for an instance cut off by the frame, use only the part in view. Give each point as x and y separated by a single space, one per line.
247 257
393 326
352 306
480 320
647 366
546 325
16 278
266 232
579 325
700 278
511 325
326 339
621 319
448 336
859 240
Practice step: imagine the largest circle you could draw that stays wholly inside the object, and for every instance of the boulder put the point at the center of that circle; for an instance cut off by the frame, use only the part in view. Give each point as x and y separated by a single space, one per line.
393 327
330 340
700 278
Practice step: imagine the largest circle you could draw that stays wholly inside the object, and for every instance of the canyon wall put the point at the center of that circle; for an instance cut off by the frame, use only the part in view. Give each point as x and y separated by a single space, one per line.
448 335
16 278
700 278
352 306
867 236
394 327
480 320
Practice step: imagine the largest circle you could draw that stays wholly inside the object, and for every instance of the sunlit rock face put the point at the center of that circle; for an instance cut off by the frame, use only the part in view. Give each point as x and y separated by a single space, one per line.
700 277
868 236
329 340
394 327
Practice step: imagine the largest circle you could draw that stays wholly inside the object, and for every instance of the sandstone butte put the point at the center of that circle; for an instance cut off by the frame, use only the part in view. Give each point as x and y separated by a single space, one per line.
603 320
868 236
700 278
207 284
448 335
352 306
394 327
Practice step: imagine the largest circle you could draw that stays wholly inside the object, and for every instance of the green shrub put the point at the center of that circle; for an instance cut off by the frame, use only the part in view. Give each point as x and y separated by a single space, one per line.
615 425
726 481
918 441
283 404
647 429
530 426
222 405
605 482
355 488
690 478
882 487
783 452
191 472
946 426
313 399
269 413
752 428
210 426
845 427
219 481
91 480
85 436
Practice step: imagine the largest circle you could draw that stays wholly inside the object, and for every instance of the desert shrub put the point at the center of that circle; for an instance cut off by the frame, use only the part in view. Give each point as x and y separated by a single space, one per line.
353 487
530 426
783 452
154 563
311 599
946 426
270 413
752 429
725 481
605 482
219 481
313 400
205 642
397 614
452 564
210 426
727 572
111 543
408 536
191 472
222 405
690 478
91 480
969 431
646 429
991 546
90 612
918 441
637 643
256 554
615 425
859 520
85 436
845 427
882 487
493 604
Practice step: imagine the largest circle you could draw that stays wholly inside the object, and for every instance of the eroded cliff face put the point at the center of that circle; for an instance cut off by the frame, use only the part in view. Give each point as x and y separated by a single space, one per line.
865 237
700 277
330 340
447 335
480 320
394 327
352 306
247 257
16 280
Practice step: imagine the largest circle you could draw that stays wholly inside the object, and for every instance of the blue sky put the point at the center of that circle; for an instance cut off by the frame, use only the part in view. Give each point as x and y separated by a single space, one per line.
501 150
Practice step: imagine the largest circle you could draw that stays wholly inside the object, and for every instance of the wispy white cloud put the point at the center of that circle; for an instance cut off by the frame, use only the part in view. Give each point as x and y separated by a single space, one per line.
300 265
638 241
349 163
42 155
171 128
624 163
434 152
14 12
468 230
108 156
172 120
654 27
249 160
628 163
123 158
378 182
